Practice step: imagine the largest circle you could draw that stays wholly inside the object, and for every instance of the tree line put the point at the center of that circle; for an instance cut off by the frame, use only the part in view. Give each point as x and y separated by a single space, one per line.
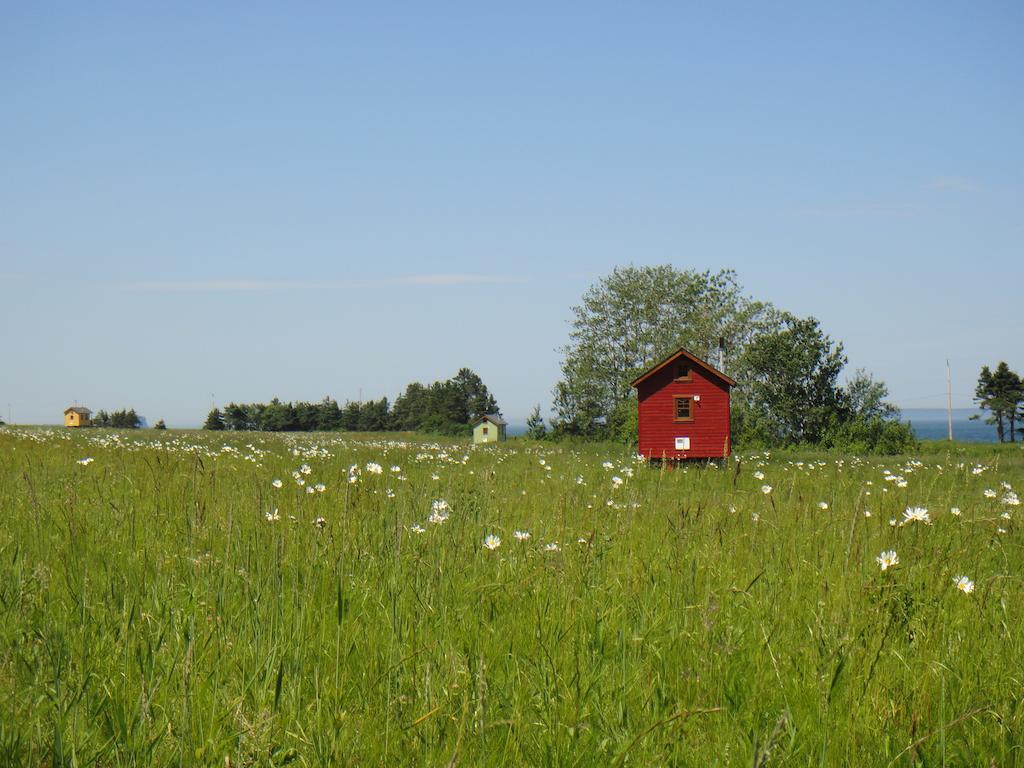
1001 393
444 407
123 419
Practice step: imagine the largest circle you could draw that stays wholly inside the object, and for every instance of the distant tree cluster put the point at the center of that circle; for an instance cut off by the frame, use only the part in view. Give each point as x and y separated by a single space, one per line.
787 369
128 419
444 407
447 407
1001 393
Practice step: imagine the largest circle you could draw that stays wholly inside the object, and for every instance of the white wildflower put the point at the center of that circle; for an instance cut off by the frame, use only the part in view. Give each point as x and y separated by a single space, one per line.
916 515
766 489
964 584
272 516
887 559
276 483
491 541
521 535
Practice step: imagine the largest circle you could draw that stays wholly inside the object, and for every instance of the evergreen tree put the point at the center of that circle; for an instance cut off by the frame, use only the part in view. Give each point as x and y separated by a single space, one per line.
1001 393
411 408
473 392
235 417
214 420
328 415
535 428
123 419
160 425
350 416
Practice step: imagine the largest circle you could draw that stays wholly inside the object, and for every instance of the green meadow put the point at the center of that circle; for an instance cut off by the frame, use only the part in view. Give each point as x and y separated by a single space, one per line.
404 602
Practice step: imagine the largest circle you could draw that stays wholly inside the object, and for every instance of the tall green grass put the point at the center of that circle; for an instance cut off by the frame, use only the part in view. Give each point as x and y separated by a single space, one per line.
151 614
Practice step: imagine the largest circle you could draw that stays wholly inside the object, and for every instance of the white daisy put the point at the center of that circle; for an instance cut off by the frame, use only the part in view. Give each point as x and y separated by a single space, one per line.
964 584
887 559
916 515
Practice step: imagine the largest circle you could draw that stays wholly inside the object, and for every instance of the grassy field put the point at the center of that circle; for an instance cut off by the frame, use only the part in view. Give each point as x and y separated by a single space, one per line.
163 603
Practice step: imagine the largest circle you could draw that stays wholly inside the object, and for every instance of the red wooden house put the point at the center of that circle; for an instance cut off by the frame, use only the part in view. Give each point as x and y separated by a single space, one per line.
683 406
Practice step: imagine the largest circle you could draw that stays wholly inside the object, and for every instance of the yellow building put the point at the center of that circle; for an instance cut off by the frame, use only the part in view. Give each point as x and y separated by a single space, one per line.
77 416
489 428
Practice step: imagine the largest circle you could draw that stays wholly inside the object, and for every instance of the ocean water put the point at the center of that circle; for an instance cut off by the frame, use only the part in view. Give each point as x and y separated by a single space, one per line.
930 424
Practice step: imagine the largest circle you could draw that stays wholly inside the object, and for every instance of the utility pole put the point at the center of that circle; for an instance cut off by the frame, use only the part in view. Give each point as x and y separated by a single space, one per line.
949 401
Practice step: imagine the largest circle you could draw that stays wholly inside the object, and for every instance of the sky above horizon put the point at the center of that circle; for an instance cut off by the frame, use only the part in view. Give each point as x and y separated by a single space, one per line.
236 201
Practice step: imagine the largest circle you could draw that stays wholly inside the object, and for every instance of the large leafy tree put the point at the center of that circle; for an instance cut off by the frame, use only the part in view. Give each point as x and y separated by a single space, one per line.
792 395
634 317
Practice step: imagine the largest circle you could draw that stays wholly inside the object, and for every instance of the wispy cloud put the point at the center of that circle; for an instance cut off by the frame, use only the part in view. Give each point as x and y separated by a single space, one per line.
222 286
248 285
863 210
954 184
456 279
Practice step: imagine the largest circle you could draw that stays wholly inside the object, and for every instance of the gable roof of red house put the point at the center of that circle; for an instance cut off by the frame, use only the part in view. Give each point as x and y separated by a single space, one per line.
683 353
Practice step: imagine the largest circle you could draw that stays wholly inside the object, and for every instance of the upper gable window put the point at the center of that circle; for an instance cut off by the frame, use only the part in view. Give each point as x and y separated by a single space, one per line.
681 370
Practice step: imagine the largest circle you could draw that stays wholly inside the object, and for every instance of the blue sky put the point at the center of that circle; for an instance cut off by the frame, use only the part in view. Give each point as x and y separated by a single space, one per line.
243 200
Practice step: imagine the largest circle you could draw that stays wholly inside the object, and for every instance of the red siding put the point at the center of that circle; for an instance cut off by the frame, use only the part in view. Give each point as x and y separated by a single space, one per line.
709 430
